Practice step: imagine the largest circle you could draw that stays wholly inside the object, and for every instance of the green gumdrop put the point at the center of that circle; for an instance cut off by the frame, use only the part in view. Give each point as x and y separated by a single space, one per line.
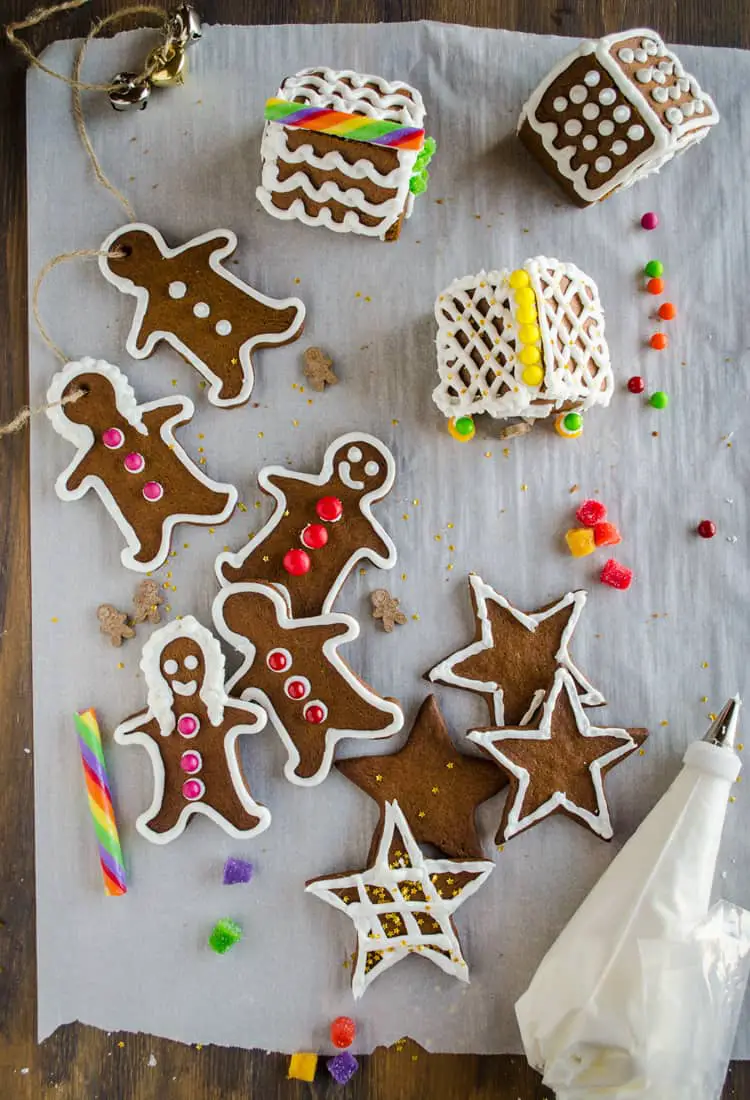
654 269
464 425
573 421
225 934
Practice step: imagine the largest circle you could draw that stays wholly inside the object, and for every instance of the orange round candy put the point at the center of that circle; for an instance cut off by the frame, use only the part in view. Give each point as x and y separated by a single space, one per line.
659 341
668 311
655 286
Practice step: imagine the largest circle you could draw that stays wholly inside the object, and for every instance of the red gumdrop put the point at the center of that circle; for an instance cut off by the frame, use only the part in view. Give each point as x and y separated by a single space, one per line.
606 534
591 512
314 536
706 529
636 384
616 575
296 563
329 508
343 1032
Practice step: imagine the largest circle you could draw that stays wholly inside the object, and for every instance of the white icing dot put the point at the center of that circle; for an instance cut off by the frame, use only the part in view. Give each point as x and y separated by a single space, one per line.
658 77
683 84
578 94
589 142
170 667
606 127
372 468
201 309
674 92
354 454
699 106
619 148
621 113
666 66
592 78
590 111
560 103
177 289
223 328
635 133
688 109
649 46
607 96
626 55
191 661
643 76
659 94
602 164
673 115
640 56
573 127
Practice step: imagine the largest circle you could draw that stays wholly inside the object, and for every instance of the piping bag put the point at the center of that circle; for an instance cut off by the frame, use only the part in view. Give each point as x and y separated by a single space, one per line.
639 997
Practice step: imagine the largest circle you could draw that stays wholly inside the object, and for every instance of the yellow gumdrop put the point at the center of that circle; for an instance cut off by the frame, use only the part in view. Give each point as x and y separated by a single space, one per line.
525 296
519 278
529 355
302 1066
580 541
526 315
529 334
533 376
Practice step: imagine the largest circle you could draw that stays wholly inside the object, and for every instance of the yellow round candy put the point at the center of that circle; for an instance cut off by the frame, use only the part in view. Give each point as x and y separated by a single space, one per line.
519 278
526 315
525 296
529 355
529 334
461 437
533 376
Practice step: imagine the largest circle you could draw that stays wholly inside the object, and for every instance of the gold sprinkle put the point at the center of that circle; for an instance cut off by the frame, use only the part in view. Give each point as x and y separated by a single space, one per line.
704 698
174 381
524 486
415 1056
704 664
266 557
450 765
712 717
395 423
358 294
120 664
449 566
450 526
256 504
54 619
488 454
294 385
199 1046
664 722
740 747
421 813
203 383
169 574
641 752
201 435
185 546
295 423
363 572
506 452
738 779
368 298
201 450
436 790
438 538
212 530
201 462
403 576
731 797
121 1044
302 389
286 511
260 435
242 507
415 502
405 515
167 607
451 547
297 281
378 779
415 617
234 361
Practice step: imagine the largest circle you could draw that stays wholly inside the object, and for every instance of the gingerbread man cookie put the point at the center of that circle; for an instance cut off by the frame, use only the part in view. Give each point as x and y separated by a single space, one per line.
187 297
321 527
292 667
128 455
189 730
147 601
114 624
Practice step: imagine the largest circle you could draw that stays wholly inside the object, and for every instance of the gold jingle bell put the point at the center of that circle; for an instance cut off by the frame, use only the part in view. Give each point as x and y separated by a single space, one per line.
171 66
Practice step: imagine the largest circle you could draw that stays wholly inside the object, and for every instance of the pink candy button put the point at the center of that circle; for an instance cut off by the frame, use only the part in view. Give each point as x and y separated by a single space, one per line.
153 491
191 762
188 725
193 789
133 462
113 438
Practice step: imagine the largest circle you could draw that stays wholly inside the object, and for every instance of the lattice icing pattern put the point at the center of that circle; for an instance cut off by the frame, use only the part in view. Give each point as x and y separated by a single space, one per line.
524 343
614 111
322 178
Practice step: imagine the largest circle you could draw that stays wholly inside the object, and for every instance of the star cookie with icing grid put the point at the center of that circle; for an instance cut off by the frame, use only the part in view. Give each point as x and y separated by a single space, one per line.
558 765
515 655
403 903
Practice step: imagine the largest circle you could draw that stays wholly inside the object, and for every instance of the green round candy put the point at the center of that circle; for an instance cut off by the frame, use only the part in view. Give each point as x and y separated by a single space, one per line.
659 399
464 425
654 269
573 422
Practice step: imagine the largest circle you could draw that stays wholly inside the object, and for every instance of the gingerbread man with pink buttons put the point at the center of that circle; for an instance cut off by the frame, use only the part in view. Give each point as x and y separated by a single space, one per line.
128 455
190 730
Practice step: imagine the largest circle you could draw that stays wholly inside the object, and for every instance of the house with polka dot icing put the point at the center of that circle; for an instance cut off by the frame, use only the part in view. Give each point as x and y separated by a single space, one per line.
613 112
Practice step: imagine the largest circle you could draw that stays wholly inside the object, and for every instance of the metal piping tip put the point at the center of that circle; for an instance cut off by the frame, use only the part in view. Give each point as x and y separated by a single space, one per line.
723 729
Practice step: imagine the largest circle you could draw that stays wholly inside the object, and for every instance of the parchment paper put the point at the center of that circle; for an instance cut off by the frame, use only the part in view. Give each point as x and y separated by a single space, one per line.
190 163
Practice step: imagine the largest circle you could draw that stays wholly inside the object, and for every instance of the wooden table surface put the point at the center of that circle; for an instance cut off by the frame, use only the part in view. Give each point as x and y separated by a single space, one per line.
81 1063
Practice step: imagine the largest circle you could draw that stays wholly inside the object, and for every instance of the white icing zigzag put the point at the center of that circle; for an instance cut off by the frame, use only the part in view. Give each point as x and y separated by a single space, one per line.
358 93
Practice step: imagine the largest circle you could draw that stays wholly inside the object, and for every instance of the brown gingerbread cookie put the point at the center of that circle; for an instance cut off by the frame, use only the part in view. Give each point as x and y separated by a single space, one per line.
114 624
128 455
437 787
187 297
293 669
558 764
385 608
319 369
190 730
514 657
321 527
147 601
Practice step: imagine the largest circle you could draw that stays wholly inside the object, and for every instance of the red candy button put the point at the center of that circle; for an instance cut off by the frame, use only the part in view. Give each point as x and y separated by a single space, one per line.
330 509
314 536
343 1032
278 660
297 689
706 529
296 562
314 713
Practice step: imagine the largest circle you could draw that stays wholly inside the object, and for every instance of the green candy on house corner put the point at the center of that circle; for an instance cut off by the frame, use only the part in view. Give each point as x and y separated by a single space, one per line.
420 176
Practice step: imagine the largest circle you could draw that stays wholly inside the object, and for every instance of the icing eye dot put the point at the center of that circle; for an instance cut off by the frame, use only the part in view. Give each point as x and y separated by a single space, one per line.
635 133
621 113
191 661
578 94
590 111
589 142
193 789
372 468
315 712
559 103
177 289
279 660
602 164
606 127
188 725
619 148
113 438
592 78
201 309
297 687
354 454
191 762
573 127
330 509
170 667
223 328
134 462
153 491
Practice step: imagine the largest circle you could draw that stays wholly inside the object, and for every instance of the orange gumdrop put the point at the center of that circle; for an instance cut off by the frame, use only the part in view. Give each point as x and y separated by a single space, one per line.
668 311
659 341
655 286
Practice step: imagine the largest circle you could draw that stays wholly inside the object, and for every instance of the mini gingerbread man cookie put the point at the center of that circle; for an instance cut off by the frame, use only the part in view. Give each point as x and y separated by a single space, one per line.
147 601
322 526
292 667
189 730
187 297
128 455
114 624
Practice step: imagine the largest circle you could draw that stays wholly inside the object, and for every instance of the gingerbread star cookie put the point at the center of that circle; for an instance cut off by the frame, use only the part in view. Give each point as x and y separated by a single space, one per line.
437 787
513 659
322 525
187 297
557 765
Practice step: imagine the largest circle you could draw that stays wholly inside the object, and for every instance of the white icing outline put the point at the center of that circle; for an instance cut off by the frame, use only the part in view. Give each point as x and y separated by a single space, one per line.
329 651
141 294
364 914
82 437
491 740
216 699
668 140
237 558
443 673
560 386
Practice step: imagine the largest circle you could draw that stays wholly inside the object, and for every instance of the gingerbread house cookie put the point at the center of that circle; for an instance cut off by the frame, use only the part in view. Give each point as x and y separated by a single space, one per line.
524 343
612 112
344 150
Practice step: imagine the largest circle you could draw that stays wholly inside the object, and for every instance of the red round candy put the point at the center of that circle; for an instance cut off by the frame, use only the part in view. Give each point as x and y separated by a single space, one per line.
650 220
330 509
314 536
616 575
314 713
659 341
296 689
591 512
668 311
277 661
606 534
636 384
296 563
706 529
343 1032
655 286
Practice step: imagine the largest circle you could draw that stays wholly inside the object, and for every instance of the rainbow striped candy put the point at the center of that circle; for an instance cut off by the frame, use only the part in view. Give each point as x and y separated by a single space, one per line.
341 124
100 802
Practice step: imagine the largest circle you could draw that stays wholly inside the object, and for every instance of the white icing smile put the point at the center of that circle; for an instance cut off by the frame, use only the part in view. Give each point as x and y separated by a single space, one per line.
346 477
185 687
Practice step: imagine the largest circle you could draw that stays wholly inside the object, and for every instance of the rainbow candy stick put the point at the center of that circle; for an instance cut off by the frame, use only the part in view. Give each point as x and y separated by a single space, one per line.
374 131
100 802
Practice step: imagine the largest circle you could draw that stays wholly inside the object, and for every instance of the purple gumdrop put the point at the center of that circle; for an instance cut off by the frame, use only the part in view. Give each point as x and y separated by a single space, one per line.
237 870
342 1067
